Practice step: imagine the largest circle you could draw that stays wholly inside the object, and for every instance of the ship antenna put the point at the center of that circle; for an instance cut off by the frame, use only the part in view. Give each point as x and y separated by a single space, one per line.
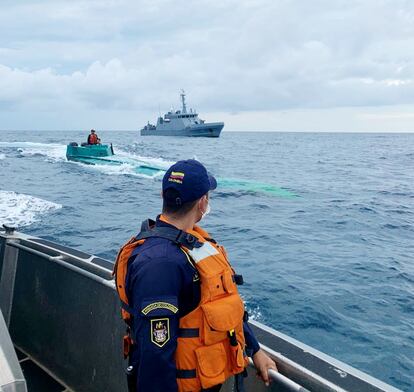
183 101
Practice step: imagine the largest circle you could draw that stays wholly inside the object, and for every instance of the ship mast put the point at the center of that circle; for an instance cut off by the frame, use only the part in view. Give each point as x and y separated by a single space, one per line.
183 101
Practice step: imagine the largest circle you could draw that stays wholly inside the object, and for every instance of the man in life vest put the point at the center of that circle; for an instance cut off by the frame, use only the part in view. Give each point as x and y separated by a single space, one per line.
93 137
187 326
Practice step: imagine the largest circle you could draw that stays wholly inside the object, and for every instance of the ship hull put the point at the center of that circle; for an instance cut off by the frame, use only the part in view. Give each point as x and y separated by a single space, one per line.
202 130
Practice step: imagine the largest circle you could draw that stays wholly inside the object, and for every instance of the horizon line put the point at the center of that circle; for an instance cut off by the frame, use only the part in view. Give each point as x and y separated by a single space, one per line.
229 131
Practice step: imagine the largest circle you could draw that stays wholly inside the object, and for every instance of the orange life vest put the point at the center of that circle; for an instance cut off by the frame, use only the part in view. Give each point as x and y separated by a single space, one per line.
92 139
214 350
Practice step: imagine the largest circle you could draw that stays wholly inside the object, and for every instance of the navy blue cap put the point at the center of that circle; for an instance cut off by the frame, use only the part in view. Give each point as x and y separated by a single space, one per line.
190 179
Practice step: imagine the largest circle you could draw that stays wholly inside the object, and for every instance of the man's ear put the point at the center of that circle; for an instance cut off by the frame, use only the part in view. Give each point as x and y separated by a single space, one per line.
203 202
200 204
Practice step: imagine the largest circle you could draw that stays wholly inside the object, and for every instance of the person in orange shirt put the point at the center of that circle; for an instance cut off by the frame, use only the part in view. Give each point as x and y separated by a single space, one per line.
93 137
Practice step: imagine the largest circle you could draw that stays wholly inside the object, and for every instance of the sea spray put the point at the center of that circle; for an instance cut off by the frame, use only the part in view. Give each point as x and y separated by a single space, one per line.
20 210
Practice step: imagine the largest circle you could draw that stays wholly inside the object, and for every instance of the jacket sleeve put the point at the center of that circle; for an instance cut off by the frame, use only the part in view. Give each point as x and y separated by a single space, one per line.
155 292
252 345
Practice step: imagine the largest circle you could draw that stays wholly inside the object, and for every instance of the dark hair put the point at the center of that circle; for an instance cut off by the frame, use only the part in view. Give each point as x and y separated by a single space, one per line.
171 203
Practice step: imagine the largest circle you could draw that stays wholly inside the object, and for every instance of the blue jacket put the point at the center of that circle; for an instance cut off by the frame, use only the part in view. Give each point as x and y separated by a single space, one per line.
161 283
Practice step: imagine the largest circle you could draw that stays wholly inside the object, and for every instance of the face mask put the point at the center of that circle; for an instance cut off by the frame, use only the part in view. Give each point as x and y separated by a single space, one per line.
207 211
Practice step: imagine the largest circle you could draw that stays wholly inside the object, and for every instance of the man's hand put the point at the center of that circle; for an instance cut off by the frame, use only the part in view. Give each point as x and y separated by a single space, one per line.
263 363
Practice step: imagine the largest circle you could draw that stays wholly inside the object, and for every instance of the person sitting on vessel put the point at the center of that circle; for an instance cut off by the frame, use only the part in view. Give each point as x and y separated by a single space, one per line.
187 324
93 137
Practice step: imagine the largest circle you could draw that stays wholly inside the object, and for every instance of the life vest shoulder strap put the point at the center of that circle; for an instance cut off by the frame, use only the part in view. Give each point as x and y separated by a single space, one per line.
179 237
120 272
148 230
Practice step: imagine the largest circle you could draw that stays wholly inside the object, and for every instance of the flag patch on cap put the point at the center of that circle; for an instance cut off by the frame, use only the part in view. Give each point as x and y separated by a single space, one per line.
176 177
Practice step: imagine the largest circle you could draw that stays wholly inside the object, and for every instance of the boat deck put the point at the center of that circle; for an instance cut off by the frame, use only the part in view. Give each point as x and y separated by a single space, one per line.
38 379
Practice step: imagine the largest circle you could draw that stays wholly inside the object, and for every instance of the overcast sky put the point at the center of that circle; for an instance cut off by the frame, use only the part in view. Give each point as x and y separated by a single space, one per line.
255 64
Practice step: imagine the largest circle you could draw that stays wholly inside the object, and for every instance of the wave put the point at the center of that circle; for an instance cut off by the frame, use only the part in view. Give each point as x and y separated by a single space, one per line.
51 151
254 311
2 157
17 209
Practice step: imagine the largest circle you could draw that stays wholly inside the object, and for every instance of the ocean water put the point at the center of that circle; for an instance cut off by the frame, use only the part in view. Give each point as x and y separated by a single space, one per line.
331 266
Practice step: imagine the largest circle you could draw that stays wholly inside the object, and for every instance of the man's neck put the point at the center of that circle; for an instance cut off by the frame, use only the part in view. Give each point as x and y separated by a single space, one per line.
185 223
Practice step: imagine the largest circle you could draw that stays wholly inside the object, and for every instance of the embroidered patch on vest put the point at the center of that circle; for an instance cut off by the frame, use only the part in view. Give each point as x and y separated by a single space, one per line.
160 331
159 305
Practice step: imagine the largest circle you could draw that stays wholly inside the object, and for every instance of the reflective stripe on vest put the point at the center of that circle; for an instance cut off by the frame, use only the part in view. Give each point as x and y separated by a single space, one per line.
203 252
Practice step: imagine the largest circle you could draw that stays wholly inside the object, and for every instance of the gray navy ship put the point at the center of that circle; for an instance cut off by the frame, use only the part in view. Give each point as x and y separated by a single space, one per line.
182 123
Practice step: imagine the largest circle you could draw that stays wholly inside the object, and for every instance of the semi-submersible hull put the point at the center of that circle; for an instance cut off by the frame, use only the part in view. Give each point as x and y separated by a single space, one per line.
60 312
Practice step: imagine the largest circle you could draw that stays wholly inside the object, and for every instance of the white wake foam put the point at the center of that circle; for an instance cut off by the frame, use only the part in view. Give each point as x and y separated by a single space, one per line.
118 170
150 161
52 151
2 157
19 210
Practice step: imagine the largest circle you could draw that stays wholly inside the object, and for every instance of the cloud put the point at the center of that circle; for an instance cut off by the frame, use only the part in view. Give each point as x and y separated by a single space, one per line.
231 56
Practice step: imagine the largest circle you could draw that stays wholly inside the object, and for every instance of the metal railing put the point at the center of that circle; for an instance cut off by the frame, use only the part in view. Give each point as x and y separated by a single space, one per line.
285 382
